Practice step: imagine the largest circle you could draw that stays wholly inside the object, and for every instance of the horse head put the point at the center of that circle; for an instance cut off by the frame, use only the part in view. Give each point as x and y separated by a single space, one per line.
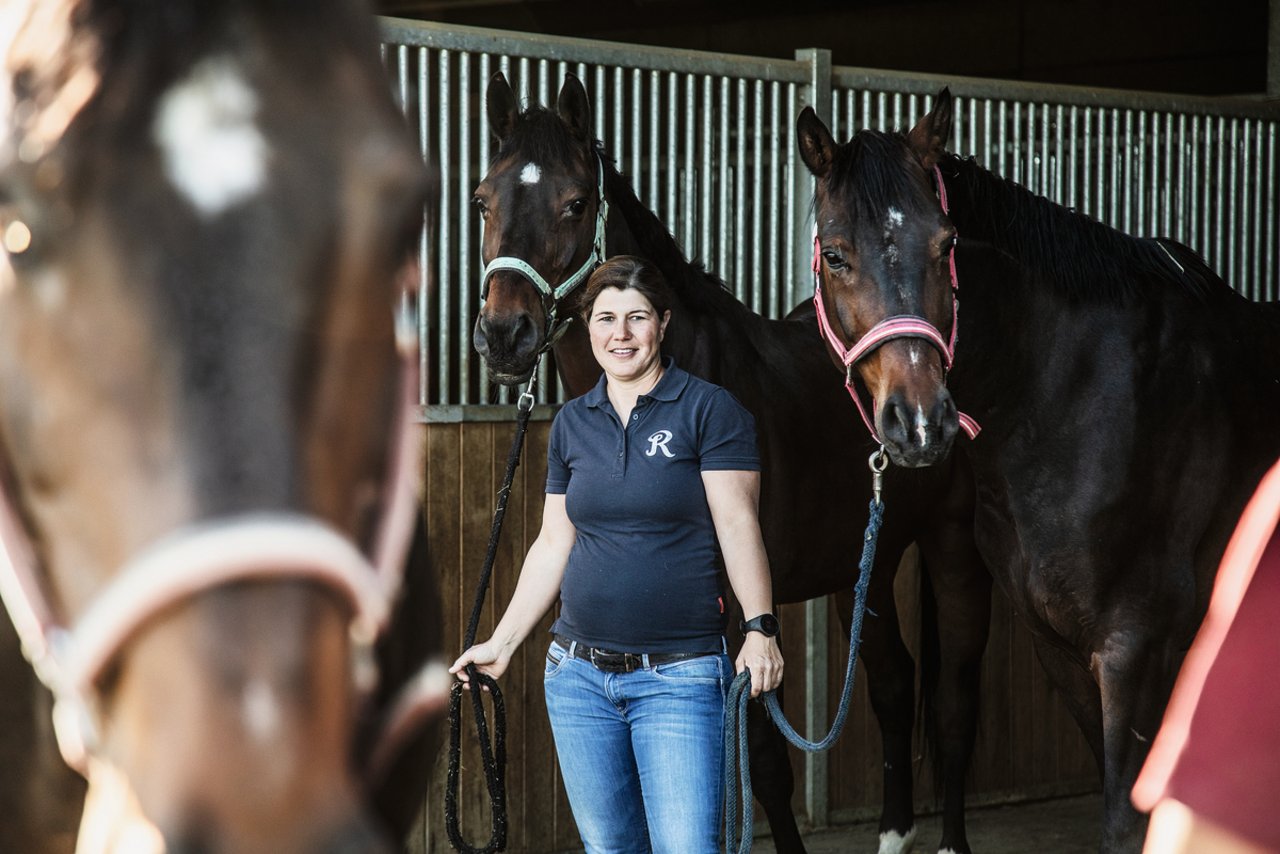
882 261
544 213
205 212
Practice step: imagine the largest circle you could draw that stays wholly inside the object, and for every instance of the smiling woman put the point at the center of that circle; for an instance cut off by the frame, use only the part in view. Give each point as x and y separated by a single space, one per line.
207 468
652 477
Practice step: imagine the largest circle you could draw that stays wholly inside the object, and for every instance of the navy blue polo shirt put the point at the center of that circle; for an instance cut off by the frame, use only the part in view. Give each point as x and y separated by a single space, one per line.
642 575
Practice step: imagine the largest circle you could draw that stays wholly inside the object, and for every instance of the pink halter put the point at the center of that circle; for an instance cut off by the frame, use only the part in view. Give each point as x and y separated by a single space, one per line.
898 326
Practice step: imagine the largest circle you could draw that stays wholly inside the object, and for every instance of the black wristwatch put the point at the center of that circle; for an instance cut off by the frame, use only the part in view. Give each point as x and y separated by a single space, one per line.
765 624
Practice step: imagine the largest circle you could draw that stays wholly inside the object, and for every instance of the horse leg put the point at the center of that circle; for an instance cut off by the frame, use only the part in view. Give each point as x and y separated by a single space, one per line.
1078 689
772 780
961 588
891 686
1136 675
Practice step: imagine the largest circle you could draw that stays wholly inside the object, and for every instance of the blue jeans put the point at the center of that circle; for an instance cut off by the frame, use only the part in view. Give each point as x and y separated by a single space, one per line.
641 752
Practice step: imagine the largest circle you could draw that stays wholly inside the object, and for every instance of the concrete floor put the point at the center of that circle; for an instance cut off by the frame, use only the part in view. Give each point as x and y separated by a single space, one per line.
1059 826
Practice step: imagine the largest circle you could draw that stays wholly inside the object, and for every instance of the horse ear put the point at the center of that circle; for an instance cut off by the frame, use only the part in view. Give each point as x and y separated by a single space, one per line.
817 148
501 105
574 107
928 139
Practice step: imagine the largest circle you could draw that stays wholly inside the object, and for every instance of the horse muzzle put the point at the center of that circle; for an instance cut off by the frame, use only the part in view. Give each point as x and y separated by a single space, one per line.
914 436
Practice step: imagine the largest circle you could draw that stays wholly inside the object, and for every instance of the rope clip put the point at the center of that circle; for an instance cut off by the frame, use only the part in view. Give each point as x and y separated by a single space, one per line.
877 462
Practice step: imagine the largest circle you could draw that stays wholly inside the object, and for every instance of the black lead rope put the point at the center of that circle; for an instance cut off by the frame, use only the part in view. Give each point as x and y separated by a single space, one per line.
493 756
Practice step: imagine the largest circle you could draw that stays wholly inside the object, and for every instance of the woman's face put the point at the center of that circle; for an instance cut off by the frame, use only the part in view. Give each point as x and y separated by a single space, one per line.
626 333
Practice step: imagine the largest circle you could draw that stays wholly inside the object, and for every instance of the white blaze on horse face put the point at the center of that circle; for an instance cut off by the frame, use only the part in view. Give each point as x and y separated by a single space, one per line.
530 174
213 151
921 426
892 221
261 711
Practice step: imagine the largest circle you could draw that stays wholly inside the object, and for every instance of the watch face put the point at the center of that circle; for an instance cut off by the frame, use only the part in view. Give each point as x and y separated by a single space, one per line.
766 624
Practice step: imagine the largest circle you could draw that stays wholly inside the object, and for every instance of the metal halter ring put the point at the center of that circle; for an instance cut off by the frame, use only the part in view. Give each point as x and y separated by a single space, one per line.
877 462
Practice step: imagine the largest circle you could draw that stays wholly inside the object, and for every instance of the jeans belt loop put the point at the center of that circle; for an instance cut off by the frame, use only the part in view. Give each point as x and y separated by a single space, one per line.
644 661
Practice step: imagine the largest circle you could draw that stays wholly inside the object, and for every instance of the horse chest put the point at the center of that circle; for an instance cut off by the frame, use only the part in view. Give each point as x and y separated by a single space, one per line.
1043 556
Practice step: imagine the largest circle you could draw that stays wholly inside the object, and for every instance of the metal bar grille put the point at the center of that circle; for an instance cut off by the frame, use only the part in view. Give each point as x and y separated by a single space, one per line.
708 143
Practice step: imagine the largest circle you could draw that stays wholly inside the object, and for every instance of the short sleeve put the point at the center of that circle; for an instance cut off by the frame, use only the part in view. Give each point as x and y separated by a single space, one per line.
557 469
728 435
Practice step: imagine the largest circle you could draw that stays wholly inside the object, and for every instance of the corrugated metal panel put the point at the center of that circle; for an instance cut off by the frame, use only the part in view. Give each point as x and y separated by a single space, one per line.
707 140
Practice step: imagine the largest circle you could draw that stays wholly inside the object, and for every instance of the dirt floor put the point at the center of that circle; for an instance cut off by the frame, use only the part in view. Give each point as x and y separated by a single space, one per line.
1059 826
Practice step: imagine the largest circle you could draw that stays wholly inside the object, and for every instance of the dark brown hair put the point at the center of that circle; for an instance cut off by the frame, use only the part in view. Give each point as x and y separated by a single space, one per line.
626 272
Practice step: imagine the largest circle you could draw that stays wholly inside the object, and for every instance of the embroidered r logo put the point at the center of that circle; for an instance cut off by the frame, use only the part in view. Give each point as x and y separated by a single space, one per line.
658 441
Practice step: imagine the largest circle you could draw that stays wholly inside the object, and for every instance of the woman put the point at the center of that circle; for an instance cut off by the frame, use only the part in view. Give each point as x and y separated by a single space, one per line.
646 474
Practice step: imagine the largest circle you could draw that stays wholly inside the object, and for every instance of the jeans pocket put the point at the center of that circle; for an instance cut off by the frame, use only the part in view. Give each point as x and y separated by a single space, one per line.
556 657
704 668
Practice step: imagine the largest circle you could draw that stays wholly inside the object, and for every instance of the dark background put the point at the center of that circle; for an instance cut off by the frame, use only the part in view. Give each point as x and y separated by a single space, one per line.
1208 47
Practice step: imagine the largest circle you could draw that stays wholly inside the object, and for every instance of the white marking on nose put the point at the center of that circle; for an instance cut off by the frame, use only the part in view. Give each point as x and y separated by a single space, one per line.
915 357
530 174
213 151
920 426
261 711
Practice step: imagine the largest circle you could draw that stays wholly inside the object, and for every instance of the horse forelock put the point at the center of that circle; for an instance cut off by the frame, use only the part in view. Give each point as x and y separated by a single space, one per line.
873 175
699 290
540 136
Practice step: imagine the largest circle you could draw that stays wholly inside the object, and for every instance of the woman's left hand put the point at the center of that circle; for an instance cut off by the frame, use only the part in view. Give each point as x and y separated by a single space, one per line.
761 655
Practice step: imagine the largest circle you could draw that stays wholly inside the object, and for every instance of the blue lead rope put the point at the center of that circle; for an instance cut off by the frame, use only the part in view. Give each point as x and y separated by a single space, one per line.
738 786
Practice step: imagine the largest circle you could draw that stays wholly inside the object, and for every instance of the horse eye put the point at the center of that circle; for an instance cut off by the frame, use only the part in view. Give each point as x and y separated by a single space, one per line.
834 260
480 206
577 207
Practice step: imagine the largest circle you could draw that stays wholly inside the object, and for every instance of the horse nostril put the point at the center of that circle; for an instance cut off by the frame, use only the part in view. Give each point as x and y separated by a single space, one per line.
895 423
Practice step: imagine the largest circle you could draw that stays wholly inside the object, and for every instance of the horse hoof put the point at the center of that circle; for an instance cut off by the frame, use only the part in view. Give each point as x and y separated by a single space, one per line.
892 842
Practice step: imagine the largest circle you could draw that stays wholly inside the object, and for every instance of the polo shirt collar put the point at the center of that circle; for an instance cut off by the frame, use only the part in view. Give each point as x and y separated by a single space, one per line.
673 381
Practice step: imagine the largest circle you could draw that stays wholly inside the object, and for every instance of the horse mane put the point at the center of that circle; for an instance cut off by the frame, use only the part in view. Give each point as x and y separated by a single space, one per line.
1084 258
698 288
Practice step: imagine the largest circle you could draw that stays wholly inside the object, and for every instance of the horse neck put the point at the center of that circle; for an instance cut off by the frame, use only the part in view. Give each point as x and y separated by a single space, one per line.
705 312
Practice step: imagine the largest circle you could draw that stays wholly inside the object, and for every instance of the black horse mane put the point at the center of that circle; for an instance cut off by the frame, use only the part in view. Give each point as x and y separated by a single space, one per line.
699 289
1081 256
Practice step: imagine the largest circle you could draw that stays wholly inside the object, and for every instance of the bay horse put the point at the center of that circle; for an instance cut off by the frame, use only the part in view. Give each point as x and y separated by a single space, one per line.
1127 398
816 487
207 475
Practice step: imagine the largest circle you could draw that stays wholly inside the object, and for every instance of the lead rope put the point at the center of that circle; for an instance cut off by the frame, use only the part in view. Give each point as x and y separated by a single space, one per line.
493 757
738 787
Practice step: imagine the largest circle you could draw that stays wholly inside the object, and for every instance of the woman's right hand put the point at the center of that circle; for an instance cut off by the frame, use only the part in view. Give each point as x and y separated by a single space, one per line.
485 657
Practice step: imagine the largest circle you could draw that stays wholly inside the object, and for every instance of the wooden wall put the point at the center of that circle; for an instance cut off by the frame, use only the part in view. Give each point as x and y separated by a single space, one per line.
1027 746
